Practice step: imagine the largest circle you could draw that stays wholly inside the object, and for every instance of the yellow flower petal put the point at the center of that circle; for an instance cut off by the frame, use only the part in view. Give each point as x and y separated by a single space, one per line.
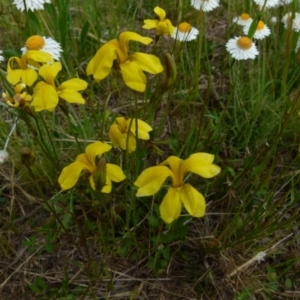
143 129
70 175
133 76
71 96
201 164
88 165
151 180
127 36
175 164
160 12
150 24
49 72
68 90
205 158
101 64
14 76
95 149
116 136
114 173
147 62
38 56
92 182
29 76
131 142
107 188
165 27
19 88
192 200
75 84
122 123
44 97
170 207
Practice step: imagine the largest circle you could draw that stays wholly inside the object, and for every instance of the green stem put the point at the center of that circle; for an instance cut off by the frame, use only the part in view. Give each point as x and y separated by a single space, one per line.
35 134
51 141
104 118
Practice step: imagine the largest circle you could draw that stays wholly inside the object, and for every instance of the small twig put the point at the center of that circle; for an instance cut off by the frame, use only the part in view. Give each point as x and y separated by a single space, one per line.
9 135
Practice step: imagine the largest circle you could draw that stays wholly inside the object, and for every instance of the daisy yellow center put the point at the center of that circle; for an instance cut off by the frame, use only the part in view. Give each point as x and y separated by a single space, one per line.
35 42
245 17
260 25
244 43
184 27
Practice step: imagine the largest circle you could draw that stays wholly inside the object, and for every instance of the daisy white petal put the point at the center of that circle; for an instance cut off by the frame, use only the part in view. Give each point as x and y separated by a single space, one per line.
49 45
30 4
242 48
1 57
269 3
262 30
185 32
244 20
296 22
205 5
286 19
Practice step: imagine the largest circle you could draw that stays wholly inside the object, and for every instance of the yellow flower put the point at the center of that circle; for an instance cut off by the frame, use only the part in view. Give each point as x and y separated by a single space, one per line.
17 68
46 95
163 26
121 129
151 180
88 161
131 66
20 99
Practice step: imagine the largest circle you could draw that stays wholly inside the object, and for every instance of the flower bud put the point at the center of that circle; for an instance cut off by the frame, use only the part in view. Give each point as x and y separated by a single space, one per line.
3 156
170 73
274 20
100 174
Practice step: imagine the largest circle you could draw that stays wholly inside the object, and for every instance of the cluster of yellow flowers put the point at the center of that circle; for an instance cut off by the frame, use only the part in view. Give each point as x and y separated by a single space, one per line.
101 174
34 76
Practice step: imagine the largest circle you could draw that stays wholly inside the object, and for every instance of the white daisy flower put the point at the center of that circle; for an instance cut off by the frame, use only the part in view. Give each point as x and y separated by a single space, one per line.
286 19
49 45
205 5
241 48
244 20
185 32
30 4
269 3
1 57
296 22
262 30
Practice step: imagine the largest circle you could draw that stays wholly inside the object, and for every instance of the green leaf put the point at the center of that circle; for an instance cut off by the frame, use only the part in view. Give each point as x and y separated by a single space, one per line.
166 252
288 283
83 36
35 25
153 221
